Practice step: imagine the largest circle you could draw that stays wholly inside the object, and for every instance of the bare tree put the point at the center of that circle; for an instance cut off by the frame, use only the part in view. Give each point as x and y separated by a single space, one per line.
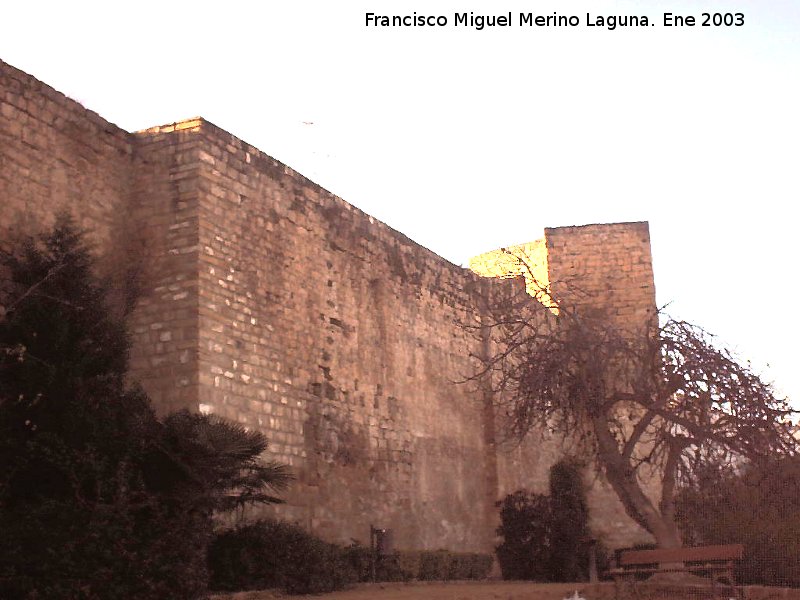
649 404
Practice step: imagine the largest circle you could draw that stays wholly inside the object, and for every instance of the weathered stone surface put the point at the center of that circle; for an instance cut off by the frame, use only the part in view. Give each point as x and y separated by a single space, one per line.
269 301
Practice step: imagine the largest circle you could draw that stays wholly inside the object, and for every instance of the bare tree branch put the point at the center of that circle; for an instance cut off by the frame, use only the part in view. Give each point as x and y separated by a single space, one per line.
647 402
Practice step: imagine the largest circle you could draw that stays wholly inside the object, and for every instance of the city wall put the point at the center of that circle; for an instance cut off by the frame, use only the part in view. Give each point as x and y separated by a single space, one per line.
272 302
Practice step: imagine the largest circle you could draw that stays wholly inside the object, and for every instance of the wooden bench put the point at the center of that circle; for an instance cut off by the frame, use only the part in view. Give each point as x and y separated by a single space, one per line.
716 561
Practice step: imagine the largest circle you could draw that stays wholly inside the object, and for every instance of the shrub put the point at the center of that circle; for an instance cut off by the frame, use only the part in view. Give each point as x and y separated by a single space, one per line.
758 508
525 528
98 498
546 538
409 565
569 523
469 565
434 565
274 554
359 559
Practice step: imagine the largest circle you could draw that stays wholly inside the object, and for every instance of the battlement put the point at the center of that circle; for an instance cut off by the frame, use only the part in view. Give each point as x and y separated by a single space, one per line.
606 267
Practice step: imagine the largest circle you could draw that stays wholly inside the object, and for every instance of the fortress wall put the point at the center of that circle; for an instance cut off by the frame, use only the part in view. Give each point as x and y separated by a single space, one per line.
129 194
603 267
164 245
611 269
270 301
55 155
338 337
611 265
528 260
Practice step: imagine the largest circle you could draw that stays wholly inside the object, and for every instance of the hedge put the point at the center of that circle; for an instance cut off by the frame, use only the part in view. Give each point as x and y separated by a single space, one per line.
272 554
422 565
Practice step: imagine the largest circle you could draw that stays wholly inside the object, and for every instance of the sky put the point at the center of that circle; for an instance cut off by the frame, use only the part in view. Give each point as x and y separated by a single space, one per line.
467 140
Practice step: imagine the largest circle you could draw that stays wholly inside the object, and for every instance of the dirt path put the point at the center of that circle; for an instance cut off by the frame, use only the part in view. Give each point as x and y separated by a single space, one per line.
511 590
441 591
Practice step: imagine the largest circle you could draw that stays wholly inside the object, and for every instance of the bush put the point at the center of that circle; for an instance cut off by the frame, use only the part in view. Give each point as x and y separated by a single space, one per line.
434 565
411 565
758 508
272 554
359 559
468 565
569 525
98 498
546 538
525 528
408 565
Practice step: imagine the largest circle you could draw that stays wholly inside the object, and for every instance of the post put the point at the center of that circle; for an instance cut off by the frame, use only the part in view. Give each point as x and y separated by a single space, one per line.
372 551
593 561
384 543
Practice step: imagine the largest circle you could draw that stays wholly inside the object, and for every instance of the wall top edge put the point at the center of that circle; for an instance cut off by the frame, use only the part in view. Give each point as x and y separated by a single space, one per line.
210 133
629 225
30 81
200 125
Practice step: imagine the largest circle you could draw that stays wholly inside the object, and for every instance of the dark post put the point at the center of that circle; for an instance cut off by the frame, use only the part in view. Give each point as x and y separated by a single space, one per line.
372 551
381 544
385 542
593 561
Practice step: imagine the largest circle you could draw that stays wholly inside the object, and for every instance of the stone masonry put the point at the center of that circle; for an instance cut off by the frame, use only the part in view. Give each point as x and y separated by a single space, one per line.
269 301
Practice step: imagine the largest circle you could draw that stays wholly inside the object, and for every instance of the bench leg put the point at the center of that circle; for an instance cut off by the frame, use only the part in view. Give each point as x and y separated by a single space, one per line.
624 588
727 584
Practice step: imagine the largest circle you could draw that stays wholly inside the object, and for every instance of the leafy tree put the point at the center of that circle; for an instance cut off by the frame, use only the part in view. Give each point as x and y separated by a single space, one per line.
525 526
98 499
545 538
649 406
569 525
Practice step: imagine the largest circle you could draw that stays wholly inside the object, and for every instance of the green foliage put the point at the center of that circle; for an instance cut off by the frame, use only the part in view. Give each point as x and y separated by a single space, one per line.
526 528
469 565
546 538
98 499
398 566
214 464
422 565
569 525
758 508
434 566
273 554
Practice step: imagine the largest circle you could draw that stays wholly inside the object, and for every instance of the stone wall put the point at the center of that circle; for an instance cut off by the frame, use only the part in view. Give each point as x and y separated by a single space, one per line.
608 267
268 300
165 245
56 156
605 268
527 260
339 337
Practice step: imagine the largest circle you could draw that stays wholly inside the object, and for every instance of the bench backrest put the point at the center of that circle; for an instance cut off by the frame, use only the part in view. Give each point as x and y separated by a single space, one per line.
696 554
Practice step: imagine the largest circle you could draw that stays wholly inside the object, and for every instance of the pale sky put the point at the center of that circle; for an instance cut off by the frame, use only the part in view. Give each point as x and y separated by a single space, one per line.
468 140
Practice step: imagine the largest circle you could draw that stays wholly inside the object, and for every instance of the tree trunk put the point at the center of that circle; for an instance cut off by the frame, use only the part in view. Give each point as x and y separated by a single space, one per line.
624 482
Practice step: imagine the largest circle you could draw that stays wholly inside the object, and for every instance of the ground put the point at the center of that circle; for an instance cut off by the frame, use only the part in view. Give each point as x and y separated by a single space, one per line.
487 591
435 591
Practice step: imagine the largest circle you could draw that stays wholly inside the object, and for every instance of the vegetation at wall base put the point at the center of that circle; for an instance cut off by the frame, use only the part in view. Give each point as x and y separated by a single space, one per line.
569 523
98 498
422 565
546 538
273 554
525 528
757 507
